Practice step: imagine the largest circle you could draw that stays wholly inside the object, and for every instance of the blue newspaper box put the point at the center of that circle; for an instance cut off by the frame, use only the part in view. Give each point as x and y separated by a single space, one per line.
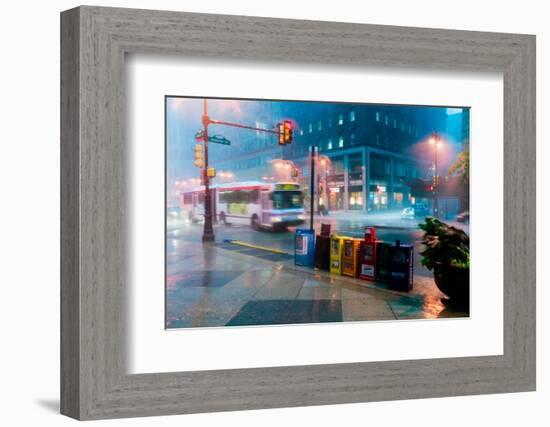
401 267
304 247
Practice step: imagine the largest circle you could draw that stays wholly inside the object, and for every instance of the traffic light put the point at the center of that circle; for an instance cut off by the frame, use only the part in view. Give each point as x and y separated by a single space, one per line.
199 156
288 132
285 132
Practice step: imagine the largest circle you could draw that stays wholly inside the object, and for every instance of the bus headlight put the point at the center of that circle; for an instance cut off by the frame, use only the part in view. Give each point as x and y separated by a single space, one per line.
276 219
302 217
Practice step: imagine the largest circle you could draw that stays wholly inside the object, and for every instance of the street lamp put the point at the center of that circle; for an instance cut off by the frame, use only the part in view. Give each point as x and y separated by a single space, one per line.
435 140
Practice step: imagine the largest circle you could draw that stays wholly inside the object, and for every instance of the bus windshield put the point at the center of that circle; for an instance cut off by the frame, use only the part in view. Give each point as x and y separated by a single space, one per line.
287 199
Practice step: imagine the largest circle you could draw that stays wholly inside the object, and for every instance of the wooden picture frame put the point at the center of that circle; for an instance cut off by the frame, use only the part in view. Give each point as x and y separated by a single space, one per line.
94 41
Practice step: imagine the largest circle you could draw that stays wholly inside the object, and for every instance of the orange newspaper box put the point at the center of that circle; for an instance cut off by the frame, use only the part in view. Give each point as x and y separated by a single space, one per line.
367 255
350 257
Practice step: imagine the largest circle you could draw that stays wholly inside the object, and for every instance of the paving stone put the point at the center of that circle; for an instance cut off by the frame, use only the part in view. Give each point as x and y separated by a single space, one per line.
279 290
207 279
273 312
251 279
359 310
320 293
315 283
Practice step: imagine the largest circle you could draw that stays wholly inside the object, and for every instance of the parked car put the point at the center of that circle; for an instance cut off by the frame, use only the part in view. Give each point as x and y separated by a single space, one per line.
408 213
463 217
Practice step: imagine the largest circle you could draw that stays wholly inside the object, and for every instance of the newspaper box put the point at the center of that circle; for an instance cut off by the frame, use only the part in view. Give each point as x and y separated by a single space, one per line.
382 271
304 247
336 254
367 255
322 248
350 255
401 267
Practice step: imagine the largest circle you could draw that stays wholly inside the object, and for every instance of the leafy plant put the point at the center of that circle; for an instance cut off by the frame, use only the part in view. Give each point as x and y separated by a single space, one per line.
461 167
444 244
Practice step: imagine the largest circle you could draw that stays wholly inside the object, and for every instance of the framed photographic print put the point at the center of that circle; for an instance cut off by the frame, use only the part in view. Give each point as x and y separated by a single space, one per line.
262 213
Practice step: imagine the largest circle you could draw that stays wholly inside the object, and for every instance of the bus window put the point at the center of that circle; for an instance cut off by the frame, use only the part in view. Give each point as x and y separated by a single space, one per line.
239 196
287 199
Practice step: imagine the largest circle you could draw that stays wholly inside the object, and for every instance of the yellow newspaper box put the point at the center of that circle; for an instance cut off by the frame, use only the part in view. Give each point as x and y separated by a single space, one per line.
336 254
350 256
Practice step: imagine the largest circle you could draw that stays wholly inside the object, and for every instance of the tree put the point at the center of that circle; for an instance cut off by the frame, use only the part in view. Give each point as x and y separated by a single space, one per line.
461 167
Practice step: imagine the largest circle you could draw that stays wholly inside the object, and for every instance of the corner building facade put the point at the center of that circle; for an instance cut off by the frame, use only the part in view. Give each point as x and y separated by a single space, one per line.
374 150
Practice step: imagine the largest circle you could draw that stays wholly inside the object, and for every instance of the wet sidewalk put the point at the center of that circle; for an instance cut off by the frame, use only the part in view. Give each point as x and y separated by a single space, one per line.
211 286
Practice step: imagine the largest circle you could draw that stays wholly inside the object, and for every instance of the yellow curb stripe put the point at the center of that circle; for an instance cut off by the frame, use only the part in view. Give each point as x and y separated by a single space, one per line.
263 248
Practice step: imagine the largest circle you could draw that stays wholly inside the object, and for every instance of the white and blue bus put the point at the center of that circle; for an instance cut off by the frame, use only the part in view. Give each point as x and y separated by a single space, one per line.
261 205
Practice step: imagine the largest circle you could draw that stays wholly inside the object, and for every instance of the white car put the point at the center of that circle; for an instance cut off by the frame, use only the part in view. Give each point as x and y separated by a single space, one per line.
408 213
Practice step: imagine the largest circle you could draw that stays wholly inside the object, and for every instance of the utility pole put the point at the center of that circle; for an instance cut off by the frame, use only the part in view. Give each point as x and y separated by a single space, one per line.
208 231
312 186
436 175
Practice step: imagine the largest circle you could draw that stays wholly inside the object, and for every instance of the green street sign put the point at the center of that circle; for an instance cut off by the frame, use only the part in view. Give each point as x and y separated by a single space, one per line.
218 139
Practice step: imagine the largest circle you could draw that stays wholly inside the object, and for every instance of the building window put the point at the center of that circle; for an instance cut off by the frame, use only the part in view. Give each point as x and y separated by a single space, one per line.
410 129
329 145
352 139
400 169
341 142
386 120
355 163
352 116
377 139
330 122
398 198
402 126
310 128
338 166
394 123
301 131
340 119
320 125
380 166
377 116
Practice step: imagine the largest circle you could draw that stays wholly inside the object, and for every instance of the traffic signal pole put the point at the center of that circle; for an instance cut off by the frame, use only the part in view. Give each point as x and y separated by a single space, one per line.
286 138
208 231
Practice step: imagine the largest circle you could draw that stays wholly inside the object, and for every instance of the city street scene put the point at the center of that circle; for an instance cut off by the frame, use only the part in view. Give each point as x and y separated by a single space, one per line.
292 212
